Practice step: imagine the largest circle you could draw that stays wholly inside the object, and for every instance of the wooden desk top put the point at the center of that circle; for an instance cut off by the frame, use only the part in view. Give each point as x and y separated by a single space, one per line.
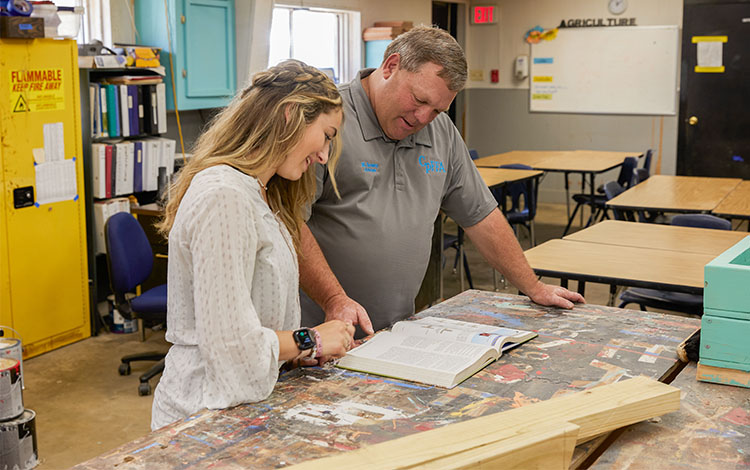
620 265
317 412
577 161
528 157
152 209
737 203
668 193
660 237
496 176
710 431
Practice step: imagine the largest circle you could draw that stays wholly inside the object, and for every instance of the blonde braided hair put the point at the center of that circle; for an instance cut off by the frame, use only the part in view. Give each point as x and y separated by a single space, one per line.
260 127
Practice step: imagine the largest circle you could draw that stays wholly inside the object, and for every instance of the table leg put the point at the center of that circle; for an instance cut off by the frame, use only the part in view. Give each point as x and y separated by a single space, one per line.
567 195
461 264
612 295
593 194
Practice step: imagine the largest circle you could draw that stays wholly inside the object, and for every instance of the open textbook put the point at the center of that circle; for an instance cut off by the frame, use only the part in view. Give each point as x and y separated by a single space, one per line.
431 350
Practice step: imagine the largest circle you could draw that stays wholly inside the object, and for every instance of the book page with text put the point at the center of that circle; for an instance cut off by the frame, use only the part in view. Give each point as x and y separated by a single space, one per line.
455 330
420 351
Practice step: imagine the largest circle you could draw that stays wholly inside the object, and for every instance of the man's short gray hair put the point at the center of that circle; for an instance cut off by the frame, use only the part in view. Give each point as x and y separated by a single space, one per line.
424 44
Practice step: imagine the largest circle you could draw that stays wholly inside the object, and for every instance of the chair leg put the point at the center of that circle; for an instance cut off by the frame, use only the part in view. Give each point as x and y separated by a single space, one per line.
468 273
570 220
532 234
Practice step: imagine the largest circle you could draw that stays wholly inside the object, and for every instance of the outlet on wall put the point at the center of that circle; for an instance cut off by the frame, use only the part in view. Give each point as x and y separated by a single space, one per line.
476 75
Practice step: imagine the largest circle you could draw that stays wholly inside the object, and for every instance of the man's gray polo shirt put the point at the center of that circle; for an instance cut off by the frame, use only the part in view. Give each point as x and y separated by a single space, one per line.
377 237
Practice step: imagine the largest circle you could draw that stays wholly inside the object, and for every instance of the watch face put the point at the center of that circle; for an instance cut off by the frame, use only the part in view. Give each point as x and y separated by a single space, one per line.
303 339
617 7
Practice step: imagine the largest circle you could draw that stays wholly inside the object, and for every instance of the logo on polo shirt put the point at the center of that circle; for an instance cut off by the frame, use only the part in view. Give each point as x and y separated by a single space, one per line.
431 166
368 167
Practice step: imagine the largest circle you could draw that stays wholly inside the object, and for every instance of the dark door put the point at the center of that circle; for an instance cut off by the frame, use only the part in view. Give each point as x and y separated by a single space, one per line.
714 126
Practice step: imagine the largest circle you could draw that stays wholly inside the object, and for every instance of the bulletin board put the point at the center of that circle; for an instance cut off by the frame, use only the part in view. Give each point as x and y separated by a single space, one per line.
607 70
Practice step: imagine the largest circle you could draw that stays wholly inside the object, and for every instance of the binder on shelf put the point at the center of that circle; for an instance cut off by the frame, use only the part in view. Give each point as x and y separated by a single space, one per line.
139 111
133 109
161 108
125 106
113 110
138 166
124 168
103 120
99 165
93 117
153 156
109 156
103 210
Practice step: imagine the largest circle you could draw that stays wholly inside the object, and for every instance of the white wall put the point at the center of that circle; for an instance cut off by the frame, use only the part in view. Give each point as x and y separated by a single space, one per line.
495 46
498 118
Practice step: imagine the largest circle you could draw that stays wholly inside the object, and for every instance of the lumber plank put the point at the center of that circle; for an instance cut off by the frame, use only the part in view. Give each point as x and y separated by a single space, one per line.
596 411
550 446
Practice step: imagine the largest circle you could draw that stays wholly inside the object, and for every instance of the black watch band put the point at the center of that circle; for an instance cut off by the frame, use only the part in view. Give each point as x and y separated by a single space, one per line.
304 338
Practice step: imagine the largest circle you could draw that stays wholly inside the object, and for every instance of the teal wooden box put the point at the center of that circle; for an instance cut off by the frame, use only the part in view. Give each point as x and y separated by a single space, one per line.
727 281
725 326
725 341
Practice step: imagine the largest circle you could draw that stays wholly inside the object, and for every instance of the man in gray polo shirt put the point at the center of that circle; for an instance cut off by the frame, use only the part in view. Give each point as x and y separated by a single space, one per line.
403 161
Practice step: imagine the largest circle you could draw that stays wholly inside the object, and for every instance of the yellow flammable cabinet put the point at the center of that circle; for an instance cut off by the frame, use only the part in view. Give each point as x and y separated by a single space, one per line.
44 292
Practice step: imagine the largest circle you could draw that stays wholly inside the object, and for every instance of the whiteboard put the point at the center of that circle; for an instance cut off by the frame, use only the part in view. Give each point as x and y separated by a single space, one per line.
609 70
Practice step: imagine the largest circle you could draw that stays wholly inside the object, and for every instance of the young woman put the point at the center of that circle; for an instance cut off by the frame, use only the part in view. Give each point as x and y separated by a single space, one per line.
233 222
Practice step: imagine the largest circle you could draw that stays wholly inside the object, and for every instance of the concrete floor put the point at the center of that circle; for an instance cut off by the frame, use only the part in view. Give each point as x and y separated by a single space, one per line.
84 408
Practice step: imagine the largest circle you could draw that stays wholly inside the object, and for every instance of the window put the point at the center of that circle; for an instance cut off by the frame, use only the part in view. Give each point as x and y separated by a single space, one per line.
326 39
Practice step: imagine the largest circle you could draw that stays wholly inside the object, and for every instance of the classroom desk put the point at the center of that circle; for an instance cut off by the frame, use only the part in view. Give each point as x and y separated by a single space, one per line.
666 193
619 265
318 412
737 203
659 237
497 176
586 162
710 431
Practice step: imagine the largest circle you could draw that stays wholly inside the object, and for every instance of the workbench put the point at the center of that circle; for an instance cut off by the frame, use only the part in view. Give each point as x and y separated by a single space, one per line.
317 412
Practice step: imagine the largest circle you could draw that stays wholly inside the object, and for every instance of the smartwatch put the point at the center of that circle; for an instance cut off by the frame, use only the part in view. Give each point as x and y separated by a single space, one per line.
305 339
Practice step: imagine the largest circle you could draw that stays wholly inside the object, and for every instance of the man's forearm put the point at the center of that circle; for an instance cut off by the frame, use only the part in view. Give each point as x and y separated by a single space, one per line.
315 276
496 241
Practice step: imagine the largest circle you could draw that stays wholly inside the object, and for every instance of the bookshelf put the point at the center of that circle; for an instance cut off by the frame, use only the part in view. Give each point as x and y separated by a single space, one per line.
137 138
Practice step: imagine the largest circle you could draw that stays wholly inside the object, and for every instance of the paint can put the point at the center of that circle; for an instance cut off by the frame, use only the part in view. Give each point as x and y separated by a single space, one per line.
11 397
11 347
18 442
119 323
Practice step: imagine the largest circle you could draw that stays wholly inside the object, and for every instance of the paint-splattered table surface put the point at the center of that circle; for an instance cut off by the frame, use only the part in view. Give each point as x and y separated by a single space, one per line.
711 431
321 411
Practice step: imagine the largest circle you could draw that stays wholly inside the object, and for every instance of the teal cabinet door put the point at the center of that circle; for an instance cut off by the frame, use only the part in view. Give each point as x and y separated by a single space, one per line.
209 48
202 38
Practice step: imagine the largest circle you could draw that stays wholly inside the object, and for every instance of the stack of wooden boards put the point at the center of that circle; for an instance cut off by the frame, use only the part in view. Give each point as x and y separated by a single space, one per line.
387 30
540 435
725 325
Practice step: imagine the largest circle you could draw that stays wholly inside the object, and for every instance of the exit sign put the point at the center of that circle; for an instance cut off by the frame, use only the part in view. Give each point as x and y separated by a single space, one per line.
483 15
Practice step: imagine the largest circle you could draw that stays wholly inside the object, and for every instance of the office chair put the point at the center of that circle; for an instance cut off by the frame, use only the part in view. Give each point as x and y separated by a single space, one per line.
613 189
598 204
523 198
129 261
640 175
647 160
473 154
646 167
675 301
